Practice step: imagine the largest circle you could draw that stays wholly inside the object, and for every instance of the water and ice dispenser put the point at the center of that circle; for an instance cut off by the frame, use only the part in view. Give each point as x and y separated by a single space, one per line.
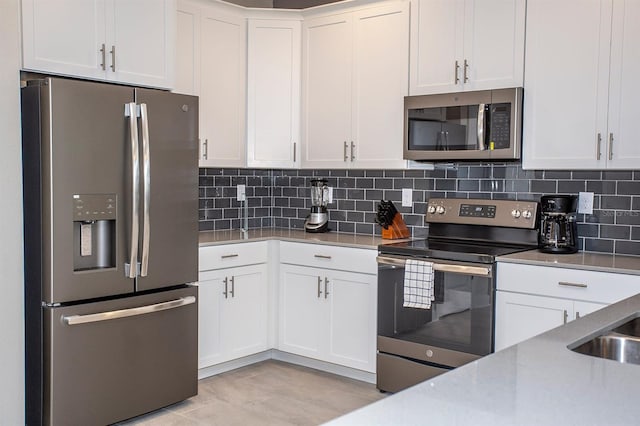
94 231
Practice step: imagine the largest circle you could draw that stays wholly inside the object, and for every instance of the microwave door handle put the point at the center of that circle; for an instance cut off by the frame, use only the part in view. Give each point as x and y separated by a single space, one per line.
481 127
146 170
131 111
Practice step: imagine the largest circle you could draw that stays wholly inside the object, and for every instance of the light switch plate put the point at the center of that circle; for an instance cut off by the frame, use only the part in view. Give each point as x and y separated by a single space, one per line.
585 202
241 193
407 197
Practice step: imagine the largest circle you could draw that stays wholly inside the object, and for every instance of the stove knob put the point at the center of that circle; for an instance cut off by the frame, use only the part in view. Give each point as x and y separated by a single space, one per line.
526 214
431 209
440 210
515 213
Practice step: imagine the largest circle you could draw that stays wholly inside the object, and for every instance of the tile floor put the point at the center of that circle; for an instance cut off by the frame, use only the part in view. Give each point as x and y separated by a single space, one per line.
267 393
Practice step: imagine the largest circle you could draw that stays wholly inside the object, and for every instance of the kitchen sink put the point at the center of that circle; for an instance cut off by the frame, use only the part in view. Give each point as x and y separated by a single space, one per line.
621 343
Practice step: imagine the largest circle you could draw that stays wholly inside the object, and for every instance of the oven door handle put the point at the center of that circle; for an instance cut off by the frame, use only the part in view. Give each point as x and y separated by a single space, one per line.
465 269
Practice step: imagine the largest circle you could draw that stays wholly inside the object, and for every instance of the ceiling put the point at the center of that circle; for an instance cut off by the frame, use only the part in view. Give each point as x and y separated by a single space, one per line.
281 4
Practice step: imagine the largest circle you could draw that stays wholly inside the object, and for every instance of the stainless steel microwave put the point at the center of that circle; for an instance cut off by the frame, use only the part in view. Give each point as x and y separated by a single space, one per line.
480 125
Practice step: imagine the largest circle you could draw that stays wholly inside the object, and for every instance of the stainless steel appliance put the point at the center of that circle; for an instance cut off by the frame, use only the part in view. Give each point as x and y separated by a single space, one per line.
465 237
111 240
318 219
558 226
481 125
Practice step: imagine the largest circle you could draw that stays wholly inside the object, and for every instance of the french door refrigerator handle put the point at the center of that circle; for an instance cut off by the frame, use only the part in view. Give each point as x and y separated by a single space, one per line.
146 170
130 312
131 111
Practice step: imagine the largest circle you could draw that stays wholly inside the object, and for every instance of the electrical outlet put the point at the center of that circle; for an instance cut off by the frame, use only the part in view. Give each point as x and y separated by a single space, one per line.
241 193
329 194
585 202
407 197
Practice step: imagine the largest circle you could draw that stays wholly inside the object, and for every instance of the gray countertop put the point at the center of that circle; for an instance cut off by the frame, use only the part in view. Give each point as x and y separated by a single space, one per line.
589 261
208 238
537 382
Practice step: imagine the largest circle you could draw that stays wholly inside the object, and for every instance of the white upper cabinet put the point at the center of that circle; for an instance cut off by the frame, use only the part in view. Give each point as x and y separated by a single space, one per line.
116 40
580 90
355 67
212 46
273 92
460 45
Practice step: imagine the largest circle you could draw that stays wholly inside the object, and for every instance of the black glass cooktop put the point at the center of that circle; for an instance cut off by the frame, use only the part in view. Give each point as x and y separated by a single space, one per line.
455 251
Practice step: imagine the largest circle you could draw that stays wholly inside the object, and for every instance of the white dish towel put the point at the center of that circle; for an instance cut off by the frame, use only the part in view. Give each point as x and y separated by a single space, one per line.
418 284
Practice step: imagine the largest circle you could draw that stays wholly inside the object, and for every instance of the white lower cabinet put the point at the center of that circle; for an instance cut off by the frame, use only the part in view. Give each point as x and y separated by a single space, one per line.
233 301
533 299
328 315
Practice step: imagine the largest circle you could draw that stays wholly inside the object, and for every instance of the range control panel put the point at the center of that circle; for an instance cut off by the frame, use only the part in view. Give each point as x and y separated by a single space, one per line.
509 213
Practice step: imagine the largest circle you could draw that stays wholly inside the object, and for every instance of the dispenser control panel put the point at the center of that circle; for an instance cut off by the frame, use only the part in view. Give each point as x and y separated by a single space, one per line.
94 206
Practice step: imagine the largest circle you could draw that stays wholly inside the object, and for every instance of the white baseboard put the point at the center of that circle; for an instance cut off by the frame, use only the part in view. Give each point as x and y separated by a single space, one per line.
328 367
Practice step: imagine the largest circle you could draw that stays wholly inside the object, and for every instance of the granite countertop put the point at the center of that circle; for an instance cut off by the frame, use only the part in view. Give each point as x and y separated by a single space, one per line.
536 382
209 238
589 261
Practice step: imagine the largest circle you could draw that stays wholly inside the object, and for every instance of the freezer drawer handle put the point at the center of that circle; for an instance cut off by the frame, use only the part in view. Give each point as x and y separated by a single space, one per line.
123 313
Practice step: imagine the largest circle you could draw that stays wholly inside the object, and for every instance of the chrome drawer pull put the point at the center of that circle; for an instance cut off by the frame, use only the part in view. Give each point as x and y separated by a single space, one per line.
321 256
568 284
228 256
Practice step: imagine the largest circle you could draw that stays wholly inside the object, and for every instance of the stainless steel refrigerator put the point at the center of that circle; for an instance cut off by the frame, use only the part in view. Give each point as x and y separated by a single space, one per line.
111 240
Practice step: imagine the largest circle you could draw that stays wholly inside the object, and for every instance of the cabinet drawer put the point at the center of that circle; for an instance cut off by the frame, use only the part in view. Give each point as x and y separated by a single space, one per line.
329 257
231 255
573 284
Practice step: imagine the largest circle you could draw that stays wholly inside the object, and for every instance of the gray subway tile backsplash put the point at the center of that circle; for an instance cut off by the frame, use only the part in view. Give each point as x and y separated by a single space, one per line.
280 198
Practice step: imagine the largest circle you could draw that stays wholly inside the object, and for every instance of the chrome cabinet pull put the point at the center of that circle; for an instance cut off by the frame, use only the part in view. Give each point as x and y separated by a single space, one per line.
610 146
346 157
229 256
353 148
326 287
568 284
233 286
566 316
466 68
131 111
455 73
226 282
322 256
130 312
294 152
577 315
146 194
205 149
103 52
319 283
598 146
113 58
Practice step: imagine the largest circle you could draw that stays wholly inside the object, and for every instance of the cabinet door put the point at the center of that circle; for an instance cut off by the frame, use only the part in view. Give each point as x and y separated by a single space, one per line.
380 69
522 316
243 311
352 318
210 298
493 44
142 32
624 149
273 93
436 46
327 59
566 84
64 37
222 89
303 313
187 50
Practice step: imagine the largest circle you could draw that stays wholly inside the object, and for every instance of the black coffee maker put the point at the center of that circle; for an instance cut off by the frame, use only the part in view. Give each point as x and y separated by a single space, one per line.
558 227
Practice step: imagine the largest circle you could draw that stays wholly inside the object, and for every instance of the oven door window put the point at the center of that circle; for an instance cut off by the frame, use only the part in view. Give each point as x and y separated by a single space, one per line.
460 318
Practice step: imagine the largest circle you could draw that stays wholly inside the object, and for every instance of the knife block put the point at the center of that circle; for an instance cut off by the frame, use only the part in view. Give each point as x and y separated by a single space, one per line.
397 229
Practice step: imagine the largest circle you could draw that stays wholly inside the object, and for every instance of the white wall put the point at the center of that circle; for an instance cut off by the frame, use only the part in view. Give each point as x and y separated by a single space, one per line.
11 276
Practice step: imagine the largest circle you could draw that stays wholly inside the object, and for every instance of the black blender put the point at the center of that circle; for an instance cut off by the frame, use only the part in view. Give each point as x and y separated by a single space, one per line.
318 219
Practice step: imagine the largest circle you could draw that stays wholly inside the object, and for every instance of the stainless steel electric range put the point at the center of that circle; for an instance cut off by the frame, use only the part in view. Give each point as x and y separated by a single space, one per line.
465 237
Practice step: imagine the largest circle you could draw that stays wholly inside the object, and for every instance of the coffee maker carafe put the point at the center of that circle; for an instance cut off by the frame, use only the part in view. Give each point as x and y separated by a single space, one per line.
318 219
558 227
